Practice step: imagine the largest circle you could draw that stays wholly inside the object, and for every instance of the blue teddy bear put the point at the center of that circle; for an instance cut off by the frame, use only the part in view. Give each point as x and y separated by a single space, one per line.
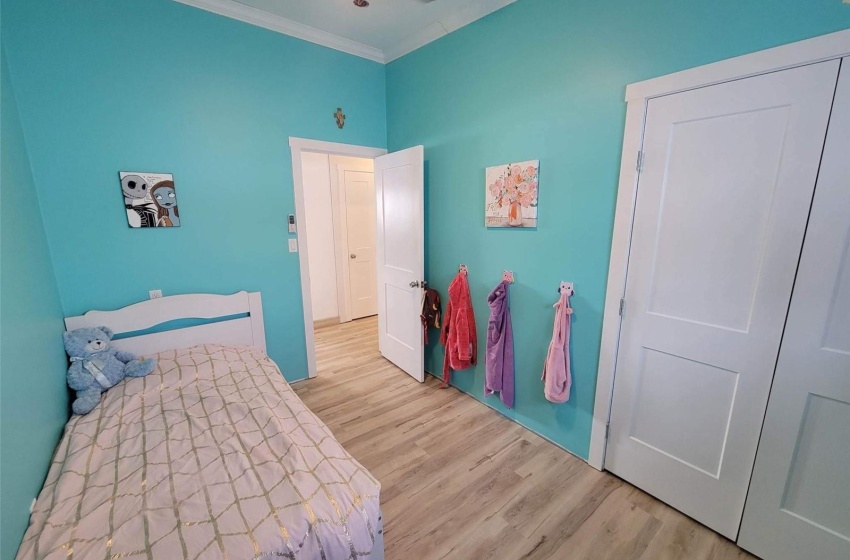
96 366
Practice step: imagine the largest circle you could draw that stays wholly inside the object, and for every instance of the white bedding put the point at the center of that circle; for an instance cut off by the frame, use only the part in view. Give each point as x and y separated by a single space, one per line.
211 456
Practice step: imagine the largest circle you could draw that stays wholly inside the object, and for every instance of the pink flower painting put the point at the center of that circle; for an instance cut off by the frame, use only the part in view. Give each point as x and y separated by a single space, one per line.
511 195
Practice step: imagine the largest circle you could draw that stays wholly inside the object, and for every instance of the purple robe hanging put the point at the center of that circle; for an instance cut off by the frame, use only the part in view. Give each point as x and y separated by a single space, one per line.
499 365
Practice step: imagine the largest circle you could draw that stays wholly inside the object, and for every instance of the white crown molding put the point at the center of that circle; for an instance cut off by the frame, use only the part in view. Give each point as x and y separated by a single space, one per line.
446 25
254 16
473 12
417 40
266 20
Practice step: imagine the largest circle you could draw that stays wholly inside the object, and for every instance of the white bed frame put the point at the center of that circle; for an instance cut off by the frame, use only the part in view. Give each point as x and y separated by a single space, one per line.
243 331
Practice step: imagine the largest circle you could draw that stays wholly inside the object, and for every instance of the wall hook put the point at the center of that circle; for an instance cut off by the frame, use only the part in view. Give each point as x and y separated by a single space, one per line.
463 269
566 286
508 276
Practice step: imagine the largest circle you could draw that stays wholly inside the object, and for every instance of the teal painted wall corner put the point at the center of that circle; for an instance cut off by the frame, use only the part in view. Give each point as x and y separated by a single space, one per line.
155 85
33 396
545 79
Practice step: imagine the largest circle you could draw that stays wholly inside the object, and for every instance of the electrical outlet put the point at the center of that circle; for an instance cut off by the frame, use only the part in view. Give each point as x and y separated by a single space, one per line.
155 294
293 245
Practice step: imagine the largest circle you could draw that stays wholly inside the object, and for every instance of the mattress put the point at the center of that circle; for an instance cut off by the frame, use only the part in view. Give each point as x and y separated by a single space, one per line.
212 455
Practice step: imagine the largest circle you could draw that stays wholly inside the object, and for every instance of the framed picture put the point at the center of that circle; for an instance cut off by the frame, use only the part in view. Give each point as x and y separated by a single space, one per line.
511 195
149 199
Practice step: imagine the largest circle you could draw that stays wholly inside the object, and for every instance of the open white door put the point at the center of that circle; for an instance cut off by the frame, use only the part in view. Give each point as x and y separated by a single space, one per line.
400 187
799 500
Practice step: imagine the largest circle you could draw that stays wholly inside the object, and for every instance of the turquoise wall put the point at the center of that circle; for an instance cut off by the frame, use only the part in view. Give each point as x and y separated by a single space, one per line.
545 79
154 85
33 397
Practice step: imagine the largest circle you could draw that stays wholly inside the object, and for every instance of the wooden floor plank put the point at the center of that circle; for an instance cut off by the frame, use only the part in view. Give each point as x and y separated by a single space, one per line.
460 481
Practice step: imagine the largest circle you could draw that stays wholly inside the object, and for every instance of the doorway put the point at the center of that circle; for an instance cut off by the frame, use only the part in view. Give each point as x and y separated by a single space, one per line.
340 204
359 218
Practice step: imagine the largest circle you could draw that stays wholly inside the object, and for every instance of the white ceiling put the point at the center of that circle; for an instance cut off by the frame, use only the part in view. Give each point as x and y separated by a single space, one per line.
384 31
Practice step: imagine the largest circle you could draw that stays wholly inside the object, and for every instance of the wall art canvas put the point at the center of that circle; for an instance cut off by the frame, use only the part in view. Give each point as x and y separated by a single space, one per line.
149 199
511 195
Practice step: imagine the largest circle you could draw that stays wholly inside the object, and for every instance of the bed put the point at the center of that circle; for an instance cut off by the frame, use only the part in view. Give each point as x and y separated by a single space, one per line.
212 455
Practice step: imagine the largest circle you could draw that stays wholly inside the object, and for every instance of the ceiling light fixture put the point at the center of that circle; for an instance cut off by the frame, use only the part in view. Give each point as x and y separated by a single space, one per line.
361 3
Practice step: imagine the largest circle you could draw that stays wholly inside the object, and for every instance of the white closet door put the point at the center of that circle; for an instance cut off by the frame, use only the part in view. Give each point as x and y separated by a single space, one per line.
723 197
799 501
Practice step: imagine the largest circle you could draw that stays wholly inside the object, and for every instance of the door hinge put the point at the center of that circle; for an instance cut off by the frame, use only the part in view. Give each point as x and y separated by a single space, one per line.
622 306
607 429
639 162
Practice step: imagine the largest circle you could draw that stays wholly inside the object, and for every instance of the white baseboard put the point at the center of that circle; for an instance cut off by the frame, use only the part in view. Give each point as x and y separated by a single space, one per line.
329 322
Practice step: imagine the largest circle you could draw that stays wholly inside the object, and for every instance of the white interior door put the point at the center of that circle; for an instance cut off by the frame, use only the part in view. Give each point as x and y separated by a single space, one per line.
399 186
799 500
358 190
339 167
723 198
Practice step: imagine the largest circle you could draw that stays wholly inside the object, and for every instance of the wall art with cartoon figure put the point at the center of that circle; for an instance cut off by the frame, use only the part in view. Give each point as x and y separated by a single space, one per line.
149 199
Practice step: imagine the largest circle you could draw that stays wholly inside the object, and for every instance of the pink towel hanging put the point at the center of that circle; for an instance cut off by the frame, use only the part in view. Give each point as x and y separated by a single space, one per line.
557 379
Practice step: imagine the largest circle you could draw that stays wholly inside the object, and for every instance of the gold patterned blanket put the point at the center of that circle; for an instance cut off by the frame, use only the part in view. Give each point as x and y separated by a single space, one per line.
212 455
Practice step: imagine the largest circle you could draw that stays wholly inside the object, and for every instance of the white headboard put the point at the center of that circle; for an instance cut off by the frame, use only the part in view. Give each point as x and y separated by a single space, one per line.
243 331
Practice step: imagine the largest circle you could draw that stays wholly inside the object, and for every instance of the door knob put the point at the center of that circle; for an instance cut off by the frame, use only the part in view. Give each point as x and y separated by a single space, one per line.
353 256
414 284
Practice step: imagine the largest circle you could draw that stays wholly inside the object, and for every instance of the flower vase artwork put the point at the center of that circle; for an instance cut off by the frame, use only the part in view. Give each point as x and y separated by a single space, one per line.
511 195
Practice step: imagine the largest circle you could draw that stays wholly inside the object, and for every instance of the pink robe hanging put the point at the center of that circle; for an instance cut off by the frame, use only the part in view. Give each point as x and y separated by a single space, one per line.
557 379
459 336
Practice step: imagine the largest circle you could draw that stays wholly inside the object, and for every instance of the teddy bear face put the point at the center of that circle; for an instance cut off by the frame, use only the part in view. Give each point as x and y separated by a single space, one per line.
84 342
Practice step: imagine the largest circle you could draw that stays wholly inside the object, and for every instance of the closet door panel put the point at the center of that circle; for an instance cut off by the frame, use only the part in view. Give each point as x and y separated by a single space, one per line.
723 198
799 500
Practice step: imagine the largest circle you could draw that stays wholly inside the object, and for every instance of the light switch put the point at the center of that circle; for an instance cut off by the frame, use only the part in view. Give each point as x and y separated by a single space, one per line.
293 245
155 294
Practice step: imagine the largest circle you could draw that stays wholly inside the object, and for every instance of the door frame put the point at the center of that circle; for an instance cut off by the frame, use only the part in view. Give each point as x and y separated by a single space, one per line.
297 146
809 51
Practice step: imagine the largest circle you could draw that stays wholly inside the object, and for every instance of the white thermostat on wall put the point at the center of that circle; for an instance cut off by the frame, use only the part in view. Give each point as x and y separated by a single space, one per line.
291 222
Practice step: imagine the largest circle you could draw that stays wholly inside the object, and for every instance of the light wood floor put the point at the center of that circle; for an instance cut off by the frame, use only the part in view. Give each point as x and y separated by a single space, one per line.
460 481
